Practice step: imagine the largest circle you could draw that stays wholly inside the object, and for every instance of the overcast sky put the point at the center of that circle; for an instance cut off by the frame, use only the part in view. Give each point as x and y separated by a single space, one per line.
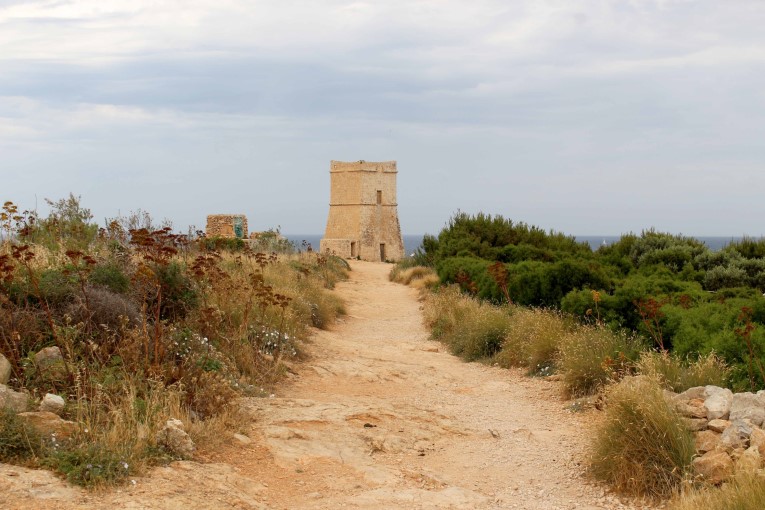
587 117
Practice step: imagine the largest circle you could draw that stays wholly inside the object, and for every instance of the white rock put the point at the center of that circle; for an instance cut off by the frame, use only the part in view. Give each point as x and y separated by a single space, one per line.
718 402
48 356
748 406
737 435
175 439
13 400
5 370
241 438
52 403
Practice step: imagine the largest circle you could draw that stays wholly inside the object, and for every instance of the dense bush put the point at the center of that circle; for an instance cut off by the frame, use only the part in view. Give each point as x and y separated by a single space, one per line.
669 288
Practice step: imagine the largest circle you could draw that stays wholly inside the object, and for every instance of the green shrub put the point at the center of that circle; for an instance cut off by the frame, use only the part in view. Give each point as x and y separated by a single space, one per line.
55 286
672 251
489 237
723 277
272 241
748 247
230 244
590 356
678 376
91 464
178 293
643 447
111 276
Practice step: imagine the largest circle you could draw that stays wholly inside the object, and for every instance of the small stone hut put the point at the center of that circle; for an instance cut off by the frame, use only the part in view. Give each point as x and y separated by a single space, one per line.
363 213
227 225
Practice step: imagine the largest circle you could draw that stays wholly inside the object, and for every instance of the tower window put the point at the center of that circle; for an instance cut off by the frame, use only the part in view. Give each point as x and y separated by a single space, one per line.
379 196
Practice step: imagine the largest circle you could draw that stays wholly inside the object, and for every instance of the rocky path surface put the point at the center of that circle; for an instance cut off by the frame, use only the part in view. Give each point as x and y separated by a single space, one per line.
380 417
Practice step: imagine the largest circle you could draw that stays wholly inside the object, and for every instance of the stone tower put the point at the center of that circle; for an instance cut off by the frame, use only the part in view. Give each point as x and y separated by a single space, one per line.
363 214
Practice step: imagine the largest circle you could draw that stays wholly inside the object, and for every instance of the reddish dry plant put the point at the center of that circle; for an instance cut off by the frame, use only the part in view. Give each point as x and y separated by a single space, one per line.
24 255
9 215
651 315
157 248
498 272
82 265
744 332
465 283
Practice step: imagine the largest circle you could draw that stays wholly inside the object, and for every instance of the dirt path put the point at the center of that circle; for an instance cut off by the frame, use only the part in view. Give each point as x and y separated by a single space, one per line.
380 417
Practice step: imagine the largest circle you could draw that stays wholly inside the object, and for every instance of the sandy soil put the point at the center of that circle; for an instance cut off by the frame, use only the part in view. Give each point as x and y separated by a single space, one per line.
380 417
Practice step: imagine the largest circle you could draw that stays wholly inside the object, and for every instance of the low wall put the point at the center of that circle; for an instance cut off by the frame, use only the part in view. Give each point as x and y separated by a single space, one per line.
227 225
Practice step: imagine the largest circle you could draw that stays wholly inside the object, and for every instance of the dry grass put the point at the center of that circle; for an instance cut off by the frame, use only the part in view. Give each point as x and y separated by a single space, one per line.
533 339
678 376
744 492
471 329
592 356
445 308
642 448
419 277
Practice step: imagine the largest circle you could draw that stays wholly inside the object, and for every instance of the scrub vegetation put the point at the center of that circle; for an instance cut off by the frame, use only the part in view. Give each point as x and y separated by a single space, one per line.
650 313
150 325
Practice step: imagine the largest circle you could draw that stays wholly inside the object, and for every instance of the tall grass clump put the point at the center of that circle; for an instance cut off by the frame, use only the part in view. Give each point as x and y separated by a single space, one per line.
471 329
533 339
744 492
482 334
678 375
591 356
419 277
445 308
642 448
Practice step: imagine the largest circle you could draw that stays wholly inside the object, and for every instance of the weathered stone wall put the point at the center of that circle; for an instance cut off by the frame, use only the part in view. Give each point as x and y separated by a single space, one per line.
728 428
227 225
363 211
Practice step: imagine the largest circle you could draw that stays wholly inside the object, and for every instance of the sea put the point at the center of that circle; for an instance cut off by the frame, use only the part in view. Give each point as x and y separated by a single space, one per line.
414 241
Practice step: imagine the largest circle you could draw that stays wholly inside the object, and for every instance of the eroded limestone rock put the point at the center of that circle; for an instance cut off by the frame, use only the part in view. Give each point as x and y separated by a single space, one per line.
706 441
49 425
52 403
718 402
14 400
175 439
715 466
5 370
748 406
